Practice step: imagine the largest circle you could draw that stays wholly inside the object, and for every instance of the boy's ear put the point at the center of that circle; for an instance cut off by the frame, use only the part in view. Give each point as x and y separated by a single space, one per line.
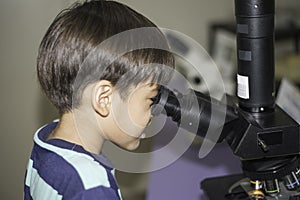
102 95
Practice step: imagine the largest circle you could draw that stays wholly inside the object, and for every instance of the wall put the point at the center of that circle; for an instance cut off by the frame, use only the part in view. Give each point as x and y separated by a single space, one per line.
23 107
22 25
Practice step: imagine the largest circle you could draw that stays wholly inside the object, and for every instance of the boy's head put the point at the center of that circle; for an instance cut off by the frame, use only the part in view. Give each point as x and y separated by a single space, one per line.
80 31
87 41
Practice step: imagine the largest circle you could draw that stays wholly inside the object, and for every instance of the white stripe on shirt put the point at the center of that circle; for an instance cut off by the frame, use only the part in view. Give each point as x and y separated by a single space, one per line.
38 187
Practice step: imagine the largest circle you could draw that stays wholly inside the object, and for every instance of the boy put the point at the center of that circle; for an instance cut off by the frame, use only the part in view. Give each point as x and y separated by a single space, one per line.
102 94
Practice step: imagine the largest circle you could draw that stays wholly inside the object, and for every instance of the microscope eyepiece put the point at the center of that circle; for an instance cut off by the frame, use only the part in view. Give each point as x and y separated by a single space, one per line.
168 101
193 110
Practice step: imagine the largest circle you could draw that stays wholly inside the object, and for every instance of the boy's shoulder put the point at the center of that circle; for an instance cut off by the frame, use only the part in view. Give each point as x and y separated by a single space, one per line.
72 166
65 167
61 158
71 177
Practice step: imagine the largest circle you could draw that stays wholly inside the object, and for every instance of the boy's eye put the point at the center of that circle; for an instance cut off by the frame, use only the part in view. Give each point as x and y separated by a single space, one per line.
151 101
155 98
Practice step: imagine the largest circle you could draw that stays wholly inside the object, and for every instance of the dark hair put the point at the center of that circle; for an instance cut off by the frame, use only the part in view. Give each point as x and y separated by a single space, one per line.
73 45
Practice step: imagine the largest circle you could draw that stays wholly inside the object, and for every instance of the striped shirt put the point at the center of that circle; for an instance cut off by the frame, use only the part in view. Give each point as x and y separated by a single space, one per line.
58 169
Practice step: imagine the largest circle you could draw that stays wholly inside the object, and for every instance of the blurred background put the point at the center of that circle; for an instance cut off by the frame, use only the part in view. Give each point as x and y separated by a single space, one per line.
24 108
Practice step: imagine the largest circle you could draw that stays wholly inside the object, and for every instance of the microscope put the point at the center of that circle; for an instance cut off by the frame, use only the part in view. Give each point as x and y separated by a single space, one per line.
261 134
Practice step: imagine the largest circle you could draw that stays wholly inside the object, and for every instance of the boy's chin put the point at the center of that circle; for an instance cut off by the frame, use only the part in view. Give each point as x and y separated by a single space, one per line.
133 145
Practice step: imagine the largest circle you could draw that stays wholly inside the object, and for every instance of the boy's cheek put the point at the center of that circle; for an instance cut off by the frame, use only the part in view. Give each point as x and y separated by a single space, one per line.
139 115
128 127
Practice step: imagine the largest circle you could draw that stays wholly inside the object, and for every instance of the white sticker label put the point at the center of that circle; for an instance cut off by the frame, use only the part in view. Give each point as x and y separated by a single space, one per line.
243 86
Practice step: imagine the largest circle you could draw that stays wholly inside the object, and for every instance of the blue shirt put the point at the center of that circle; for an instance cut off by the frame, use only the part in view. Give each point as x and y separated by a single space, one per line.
58 169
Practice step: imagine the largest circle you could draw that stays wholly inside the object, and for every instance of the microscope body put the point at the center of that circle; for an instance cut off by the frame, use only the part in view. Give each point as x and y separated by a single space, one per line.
264 137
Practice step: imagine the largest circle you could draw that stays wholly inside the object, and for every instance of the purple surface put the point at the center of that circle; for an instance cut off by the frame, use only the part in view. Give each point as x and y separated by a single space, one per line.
181 180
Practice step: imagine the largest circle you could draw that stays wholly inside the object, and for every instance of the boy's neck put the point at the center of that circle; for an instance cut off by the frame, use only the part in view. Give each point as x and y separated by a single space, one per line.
70 130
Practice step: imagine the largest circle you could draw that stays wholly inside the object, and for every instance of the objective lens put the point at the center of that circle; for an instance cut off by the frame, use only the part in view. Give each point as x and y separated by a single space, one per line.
271 187
256 193
257 185
291 181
